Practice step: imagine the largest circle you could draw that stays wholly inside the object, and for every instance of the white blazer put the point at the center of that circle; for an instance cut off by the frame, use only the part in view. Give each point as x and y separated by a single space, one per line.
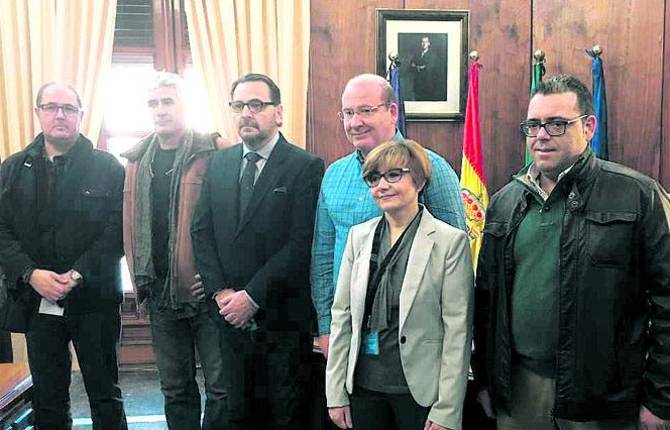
436 307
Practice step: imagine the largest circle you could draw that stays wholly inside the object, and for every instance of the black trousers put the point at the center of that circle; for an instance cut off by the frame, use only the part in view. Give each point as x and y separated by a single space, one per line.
95 337
372 410
266 378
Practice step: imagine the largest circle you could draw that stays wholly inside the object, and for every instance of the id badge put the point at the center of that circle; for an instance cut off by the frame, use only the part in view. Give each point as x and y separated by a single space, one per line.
371 343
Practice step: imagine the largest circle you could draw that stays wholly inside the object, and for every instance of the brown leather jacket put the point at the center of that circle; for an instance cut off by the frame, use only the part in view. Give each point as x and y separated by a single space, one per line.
189 193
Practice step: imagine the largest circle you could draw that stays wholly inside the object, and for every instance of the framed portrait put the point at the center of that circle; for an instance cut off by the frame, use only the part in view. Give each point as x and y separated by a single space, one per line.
431 48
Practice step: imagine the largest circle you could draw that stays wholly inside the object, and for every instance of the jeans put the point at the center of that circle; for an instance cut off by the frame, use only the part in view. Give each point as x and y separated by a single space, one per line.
95 337
175 341
532 402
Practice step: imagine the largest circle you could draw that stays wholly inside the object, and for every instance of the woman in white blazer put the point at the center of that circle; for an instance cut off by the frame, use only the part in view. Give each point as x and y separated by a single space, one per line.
401 320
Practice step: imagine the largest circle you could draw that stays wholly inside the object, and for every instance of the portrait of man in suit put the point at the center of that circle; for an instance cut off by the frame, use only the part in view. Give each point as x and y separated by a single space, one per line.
252 232
423 67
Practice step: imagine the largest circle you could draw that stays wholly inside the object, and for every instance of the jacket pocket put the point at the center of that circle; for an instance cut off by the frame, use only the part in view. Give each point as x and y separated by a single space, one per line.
495 229
609 237
94 203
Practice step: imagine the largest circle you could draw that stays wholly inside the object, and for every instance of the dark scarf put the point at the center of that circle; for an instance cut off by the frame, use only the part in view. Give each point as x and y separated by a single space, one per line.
377 304
143 264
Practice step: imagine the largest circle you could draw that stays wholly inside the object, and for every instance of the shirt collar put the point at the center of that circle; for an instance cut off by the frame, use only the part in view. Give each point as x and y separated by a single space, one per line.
533 177
397 137
265 150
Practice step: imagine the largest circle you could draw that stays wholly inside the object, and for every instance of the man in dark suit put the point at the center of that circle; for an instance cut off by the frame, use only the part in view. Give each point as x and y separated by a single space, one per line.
252 233
424 65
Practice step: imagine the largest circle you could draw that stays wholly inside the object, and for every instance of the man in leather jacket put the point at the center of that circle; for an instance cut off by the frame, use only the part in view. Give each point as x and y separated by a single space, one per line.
572 320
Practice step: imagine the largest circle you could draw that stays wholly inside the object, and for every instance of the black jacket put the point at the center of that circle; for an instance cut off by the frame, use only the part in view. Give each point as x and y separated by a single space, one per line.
267 253
614 294
88 225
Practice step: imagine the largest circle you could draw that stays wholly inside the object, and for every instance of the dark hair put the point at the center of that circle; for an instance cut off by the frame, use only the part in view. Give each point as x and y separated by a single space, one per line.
40 92
567 84
275 94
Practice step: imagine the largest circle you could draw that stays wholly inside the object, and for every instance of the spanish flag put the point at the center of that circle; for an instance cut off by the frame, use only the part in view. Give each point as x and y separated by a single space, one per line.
473 179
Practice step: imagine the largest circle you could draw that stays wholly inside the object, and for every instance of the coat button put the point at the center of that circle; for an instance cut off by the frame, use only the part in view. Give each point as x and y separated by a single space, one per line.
574 204
403 339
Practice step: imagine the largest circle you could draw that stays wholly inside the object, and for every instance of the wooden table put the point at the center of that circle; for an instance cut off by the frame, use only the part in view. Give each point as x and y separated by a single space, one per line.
15 397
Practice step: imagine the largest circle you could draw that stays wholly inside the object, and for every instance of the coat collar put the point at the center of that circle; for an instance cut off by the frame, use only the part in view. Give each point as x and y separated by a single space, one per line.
201 143
82 147
416 265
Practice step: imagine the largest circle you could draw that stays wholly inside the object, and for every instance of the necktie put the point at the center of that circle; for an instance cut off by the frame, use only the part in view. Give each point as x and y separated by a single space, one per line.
247 181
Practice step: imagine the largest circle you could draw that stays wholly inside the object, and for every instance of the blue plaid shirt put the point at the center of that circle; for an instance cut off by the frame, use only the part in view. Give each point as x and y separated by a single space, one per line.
345 201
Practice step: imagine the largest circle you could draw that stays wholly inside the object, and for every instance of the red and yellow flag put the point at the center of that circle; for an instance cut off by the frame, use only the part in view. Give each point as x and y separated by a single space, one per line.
473 179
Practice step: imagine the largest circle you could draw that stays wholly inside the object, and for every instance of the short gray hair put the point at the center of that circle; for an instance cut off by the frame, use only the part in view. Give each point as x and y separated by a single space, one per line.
167 79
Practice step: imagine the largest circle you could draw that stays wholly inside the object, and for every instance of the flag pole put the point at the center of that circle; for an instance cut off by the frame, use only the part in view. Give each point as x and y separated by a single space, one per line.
536 75
393 77
599 142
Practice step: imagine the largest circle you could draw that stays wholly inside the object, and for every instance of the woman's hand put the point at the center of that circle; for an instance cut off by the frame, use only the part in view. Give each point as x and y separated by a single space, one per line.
341 417
434 426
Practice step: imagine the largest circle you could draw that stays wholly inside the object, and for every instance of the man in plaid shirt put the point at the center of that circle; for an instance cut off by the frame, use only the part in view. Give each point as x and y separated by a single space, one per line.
369 113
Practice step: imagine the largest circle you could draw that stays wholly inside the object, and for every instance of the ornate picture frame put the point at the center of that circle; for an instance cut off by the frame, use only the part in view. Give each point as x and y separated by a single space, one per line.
431 49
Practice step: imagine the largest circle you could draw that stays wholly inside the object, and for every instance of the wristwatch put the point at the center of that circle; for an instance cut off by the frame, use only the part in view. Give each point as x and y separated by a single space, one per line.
76 276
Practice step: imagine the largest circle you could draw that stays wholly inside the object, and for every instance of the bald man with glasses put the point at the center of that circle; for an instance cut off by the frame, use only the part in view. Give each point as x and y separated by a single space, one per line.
368 114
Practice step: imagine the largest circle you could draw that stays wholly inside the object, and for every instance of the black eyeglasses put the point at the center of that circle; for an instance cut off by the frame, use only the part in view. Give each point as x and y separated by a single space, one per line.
555 127
364 111
254 105
52 109
392 176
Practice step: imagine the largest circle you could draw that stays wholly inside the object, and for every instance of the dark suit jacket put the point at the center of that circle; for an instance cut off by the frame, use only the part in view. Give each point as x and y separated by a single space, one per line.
425 76
267 253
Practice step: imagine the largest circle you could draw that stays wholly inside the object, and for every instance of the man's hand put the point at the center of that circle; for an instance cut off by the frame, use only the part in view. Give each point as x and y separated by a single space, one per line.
221 296
434 426
484 399
68 276
649 421
324 342
51 285
237 309
198 288
341 417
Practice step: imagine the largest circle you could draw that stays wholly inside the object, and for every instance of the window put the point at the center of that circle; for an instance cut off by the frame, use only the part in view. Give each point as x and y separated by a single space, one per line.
143 42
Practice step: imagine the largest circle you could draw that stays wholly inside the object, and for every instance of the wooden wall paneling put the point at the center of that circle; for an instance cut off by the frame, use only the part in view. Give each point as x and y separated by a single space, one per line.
631 34
665 143
342 46
501 32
